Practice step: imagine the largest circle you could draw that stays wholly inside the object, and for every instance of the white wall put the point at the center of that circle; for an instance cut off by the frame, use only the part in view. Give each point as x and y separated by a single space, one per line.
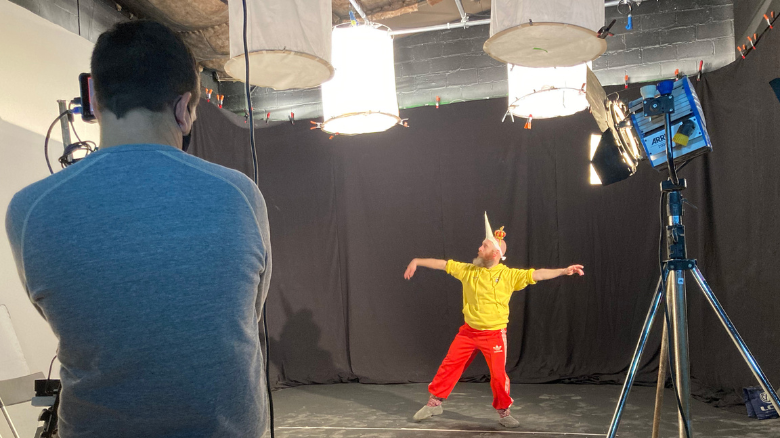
40 64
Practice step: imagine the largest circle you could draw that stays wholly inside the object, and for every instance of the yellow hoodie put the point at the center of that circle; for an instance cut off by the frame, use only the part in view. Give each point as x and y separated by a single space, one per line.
486 292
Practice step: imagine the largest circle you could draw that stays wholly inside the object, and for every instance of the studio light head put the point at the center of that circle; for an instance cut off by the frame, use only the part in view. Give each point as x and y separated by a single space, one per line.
610 160
637 131
648 116
618 153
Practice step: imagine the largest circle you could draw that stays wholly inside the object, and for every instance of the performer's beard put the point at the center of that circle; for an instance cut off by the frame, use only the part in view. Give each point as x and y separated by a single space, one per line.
479 262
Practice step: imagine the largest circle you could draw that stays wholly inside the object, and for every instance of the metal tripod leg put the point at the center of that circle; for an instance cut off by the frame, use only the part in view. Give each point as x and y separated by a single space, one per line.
663 365
678 314
640 346
8 419
724 319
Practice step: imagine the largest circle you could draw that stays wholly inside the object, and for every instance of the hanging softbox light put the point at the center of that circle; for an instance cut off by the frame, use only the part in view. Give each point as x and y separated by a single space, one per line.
288 42
547 92
361 96
546 33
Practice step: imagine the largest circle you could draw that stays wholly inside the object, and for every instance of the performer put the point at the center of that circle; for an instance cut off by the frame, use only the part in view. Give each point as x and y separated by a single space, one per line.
487 288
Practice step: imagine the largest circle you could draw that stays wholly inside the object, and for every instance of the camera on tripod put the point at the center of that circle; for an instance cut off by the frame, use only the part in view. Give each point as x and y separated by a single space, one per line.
47 395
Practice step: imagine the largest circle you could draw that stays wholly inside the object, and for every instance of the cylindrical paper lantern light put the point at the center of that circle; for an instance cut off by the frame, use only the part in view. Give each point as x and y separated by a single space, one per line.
288 42
361 96
545 33
542 93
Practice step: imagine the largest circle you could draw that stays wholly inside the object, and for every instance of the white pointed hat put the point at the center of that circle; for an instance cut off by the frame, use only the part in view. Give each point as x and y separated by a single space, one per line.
494 237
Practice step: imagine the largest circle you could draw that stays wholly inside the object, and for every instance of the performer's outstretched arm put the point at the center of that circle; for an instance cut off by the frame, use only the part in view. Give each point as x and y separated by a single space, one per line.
547 274
427 263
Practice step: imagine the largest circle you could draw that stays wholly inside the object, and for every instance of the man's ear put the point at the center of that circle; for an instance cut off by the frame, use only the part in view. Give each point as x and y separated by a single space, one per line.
96 110
181 112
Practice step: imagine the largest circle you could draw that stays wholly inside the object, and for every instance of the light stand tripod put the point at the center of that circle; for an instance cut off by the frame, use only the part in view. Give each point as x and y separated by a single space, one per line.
671 286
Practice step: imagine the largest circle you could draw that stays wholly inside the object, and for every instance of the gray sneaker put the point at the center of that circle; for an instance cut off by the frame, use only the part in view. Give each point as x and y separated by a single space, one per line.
428 412
509 421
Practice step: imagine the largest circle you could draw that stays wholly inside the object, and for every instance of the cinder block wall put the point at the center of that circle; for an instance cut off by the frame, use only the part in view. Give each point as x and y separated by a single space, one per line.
668 35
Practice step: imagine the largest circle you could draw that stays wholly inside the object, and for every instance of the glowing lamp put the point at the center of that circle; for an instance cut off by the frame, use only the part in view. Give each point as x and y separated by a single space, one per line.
547 92
361 96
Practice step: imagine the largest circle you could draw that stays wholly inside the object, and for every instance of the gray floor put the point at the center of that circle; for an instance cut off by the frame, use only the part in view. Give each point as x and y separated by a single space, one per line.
354 410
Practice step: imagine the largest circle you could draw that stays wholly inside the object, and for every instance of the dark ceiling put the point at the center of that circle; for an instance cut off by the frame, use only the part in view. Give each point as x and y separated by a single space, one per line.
204 23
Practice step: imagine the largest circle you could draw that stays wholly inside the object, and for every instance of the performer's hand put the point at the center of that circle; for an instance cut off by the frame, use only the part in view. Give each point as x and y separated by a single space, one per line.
410 269
574 269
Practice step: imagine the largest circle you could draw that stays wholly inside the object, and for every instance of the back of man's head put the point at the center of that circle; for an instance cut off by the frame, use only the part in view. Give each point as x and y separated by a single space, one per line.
142 64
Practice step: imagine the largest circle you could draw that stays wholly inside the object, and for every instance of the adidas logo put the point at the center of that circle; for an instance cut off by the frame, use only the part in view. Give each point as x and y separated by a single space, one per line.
497 349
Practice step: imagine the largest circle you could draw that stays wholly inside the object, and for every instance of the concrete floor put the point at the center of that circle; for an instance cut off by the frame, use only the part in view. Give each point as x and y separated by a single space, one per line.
384 411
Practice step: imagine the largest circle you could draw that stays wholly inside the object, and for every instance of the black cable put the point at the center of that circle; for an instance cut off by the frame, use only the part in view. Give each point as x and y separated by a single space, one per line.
661 239
88 146
254 174
50 367
46 142
670 161
664 272
74 131
674 381
249 101
682 165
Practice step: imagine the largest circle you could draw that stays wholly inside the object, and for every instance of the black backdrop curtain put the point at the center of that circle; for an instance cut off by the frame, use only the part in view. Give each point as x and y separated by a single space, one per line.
347 215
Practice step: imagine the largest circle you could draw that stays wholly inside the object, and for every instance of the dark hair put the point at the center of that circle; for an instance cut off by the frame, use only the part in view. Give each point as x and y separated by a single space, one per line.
142 64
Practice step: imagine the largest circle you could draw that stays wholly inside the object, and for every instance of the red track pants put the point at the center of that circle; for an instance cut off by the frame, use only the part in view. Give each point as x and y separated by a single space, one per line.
492 344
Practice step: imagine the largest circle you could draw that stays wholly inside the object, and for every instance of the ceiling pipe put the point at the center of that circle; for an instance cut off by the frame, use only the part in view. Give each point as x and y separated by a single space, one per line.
359 10
463 16
441 27
618 2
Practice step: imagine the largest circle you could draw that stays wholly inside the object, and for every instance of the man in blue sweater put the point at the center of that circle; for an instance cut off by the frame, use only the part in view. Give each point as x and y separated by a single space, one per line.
150 265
